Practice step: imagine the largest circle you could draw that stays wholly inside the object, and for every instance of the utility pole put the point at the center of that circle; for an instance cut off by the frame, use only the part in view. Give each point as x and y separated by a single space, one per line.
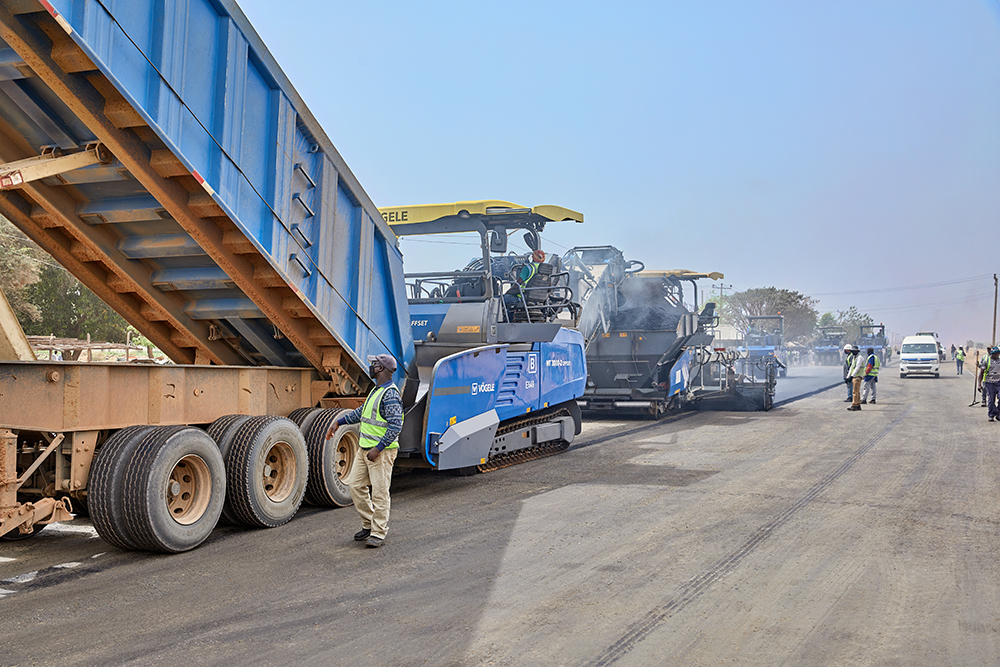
994 309
722 289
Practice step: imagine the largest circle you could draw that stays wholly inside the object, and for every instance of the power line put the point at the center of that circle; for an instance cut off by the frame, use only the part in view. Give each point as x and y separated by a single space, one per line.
903 289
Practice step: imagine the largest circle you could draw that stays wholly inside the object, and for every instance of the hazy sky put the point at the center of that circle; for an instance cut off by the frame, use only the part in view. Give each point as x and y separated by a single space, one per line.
839 148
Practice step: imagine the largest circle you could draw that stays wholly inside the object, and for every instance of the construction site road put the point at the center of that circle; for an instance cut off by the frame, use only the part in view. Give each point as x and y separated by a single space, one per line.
805 380
807 535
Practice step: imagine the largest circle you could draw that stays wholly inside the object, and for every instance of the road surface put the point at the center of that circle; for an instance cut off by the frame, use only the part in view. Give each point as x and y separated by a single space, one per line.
806 535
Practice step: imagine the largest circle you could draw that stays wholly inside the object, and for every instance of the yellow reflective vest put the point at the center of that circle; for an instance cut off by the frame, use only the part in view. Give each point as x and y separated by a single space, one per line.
373 427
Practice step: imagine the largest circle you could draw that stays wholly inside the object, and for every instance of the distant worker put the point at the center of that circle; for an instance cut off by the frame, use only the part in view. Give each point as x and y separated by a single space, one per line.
512 299
381 418
959 359
857 373
989 381
871 376
848 362
952 350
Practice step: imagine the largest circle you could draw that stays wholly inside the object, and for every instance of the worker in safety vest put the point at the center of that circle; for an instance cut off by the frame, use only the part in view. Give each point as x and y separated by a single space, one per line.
848 362
989 381
960 360
512 298
381 418
857 374
871 376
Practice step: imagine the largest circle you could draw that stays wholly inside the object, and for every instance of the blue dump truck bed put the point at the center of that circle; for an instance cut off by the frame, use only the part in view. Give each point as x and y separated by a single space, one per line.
220 220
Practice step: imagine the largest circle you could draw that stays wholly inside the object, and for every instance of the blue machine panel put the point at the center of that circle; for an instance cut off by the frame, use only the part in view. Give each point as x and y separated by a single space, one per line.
680 373
463 385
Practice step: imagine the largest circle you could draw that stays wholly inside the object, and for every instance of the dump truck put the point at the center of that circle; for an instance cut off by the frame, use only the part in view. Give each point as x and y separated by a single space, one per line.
161 156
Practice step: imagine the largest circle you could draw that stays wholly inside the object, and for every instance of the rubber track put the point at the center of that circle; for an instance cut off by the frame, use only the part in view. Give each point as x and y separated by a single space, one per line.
316 487
135 483
239 486
508 459
105 501
694 587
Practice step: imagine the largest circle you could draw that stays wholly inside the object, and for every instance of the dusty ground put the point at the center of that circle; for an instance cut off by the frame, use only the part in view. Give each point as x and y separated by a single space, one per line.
807 535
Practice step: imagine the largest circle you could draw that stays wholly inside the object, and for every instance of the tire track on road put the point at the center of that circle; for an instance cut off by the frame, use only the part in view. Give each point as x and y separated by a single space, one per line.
696 586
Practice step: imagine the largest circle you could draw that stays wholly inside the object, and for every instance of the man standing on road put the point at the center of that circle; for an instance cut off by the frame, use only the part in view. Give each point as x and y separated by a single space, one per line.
989 381
959 359
848 362
952 350
871 375
381 419
857 373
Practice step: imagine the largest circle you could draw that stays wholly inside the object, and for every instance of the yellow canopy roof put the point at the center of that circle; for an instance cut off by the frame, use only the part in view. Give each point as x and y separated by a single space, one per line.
468 215
681 273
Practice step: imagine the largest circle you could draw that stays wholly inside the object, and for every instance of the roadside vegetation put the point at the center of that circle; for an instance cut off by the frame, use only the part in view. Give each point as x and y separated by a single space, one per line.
47 300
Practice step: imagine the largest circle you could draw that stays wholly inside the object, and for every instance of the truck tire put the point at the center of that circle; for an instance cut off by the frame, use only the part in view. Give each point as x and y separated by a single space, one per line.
222 431
174 489
330 460
104 490
304 417
266 470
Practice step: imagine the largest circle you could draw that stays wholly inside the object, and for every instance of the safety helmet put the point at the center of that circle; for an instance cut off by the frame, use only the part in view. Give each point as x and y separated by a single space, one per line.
855 348
847 348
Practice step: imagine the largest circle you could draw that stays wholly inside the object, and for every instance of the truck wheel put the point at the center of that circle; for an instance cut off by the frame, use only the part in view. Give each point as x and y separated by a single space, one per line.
104 490
266 471
174 489
330 460
222 431
304 417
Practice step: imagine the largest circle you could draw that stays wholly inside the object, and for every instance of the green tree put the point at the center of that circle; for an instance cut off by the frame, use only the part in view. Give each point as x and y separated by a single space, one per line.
852 319
70 310
828 319
798 310
20 265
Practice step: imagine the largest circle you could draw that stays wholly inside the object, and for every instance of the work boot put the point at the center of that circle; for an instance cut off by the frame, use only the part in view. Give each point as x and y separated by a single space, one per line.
873 401
362 535
848 400
854 407
864 402
374 542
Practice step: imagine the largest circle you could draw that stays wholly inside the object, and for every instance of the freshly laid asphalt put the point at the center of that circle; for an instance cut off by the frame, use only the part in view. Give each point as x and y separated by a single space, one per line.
805 535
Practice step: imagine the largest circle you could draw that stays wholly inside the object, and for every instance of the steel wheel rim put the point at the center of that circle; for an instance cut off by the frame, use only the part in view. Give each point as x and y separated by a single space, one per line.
277 471
189 490
343 458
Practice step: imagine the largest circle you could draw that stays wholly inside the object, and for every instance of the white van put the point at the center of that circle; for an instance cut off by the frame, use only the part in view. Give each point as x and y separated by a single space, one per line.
919 354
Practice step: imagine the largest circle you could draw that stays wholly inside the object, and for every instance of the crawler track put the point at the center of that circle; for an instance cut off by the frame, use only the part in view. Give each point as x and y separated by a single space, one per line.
507 459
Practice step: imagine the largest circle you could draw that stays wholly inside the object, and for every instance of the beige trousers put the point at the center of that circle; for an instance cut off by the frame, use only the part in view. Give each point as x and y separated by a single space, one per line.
373 508
857 393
